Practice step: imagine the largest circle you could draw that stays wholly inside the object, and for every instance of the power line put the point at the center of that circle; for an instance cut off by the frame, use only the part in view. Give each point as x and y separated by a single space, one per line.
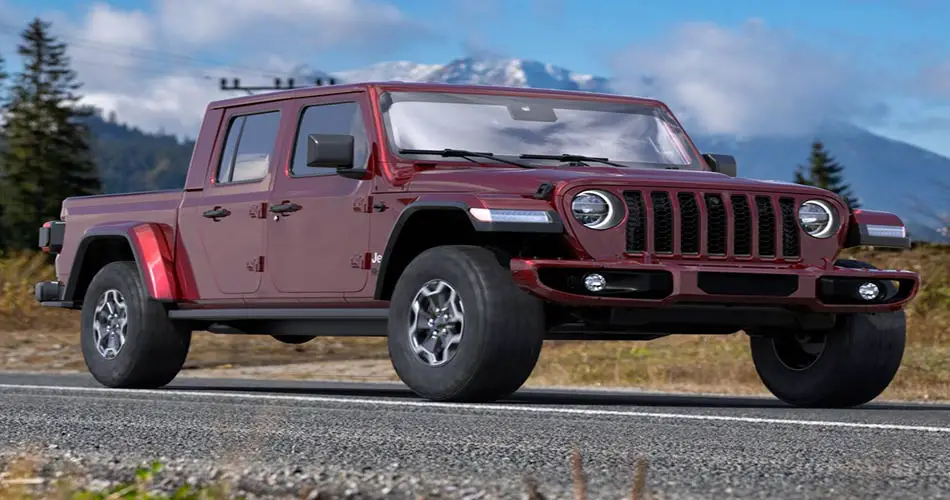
167 58
278 85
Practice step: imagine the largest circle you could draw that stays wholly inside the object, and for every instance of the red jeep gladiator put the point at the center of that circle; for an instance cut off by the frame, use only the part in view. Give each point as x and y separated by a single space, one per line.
468 224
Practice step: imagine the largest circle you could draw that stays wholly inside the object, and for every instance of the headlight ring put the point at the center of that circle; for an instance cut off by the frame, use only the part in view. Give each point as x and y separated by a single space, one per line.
817 218
597 209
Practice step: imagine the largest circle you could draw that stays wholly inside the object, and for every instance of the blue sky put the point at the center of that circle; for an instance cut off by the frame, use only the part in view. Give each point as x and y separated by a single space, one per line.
891 54
578 34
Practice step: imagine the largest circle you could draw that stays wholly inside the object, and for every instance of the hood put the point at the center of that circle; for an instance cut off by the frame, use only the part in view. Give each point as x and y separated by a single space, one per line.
502 180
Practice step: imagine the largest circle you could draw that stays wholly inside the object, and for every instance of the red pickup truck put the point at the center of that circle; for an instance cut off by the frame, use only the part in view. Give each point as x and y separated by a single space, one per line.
468 224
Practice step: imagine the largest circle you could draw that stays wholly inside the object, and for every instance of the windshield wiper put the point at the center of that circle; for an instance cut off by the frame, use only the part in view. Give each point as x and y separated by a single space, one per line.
570 158
461 153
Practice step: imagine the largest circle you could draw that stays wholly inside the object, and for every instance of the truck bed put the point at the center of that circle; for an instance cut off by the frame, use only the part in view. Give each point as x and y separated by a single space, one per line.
82 212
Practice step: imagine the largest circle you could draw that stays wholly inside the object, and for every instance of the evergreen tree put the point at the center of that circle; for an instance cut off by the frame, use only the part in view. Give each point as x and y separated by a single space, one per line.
48 156
824 172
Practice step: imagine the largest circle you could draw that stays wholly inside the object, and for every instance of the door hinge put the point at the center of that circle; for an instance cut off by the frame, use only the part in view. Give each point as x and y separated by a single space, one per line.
256 265
358 261
258 210
361 204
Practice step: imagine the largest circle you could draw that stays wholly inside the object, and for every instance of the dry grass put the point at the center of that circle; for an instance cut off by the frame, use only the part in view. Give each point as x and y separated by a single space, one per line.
36 337
23 479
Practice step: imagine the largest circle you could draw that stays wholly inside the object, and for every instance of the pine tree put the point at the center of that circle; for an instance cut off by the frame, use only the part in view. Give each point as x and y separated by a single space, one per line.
824 172
48 156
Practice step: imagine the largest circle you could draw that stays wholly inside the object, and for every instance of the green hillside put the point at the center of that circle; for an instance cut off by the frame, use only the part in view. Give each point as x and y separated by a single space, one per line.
132 160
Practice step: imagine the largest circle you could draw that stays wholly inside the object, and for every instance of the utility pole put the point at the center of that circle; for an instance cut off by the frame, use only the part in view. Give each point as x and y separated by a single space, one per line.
235 84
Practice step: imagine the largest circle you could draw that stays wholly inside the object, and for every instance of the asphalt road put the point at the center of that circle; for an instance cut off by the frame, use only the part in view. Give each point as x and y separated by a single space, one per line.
697 446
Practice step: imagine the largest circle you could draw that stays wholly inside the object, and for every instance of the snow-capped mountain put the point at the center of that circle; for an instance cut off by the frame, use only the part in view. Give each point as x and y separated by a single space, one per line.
470 70
885 174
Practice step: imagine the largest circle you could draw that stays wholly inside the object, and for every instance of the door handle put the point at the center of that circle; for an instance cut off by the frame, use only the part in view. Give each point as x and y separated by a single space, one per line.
285 208
217 213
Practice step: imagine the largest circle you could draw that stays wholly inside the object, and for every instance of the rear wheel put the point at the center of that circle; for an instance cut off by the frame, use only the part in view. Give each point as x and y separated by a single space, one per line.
127 339
460 329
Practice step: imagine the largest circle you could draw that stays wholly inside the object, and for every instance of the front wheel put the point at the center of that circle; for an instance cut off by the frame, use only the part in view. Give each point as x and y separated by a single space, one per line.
846 366
460 329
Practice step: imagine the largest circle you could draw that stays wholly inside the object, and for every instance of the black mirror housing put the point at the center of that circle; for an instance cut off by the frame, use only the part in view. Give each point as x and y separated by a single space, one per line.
724 164
330 150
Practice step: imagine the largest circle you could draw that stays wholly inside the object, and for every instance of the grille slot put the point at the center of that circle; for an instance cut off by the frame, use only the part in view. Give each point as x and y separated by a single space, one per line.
636 222
766 213
662 222
689 223
763 227
742 222
716 225
791 246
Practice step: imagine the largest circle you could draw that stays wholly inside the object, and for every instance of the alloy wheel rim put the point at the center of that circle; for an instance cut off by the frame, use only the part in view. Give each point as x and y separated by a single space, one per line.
436 322
110 323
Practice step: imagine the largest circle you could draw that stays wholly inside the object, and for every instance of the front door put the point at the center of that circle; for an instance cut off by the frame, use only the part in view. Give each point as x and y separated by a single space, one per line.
319 248
228 216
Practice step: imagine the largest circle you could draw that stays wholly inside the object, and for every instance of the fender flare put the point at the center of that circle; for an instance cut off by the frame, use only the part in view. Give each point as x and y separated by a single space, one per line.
556 226
150 248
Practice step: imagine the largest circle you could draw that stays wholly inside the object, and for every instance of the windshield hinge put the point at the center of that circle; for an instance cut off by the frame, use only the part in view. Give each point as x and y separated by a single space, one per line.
544 191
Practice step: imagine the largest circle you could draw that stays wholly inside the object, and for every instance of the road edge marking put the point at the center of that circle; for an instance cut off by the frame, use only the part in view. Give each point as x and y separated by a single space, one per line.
487 407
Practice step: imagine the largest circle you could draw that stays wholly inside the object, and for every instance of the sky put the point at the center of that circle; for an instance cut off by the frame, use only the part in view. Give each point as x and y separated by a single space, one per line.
735 67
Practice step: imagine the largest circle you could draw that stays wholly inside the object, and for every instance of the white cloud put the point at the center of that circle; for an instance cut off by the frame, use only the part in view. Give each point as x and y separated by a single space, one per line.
157 68
294 25
745 81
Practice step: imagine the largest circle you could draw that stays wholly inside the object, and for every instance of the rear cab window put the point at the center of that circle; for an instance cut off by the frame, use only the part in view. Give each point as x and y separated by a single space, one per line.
249 148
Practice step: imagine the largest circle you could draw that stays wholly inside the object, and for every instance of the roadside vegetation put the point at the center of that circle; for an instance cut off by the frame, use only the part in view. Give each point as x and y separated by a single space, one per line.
34 475
40 338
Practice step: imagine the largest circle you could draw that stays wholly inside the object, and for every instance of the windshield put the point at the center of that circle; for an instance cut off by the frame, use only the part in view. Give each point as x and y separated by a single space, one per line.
633 134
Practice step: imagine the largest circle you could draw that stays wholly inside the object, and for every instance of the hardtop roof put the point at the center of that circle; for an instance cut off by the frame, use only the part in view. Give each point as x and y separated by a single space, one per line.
417 86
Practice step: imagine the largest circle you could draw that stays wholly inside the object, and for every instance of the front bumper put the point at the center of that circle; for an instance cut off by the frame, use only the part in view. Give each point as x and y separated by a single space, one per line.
633 284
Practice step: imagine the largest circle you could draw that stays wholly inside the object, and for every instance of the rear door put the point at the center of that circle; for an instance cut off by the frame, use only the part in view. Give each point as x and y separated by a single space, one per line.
318 250
229 215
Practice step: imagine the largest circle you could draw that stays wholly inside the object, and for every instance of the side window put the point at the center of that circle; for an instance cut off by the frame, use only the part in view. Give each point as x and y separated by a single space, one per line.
339 118
248 148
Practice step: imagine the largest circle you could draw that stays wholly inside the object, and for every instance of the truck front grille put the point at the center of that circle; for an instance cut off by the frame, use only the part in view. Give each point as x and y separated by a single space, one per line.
712 224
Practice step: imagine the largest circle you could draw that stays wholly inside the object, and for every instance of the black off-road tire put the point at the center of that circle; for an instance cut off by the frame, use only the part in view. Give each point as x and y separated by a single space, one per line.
861 355
155 348
502 335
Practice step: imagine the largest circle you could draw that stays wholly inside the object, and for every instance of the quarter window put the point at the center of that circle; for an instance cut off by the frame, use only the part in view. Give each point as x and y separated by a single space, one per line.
249 147
338 118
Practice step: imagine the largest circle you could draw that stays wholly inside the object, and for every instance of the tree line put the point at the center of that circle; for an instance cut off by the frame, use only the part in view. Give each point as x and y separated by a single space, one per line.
46 152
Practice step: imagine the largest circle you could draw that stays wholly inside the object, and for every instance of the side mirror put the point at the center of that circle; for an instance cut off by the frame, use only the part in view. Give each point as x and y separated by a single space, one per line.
330 150
724 164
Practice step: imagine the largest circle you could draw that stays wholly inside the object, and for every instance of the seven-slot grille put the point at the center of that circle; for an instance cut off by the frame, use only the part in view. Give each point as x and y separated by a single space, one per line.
765 226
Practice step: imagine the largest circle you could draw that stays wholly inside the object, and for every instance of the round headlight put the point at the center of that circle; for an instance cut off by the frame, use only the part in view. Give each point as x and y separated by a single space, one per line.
596 209
817 218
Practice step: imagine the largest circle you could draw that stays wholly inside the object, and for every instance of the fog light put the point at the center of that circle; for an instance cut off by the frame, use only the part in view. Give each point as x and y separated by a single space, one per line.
595 282
869 291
